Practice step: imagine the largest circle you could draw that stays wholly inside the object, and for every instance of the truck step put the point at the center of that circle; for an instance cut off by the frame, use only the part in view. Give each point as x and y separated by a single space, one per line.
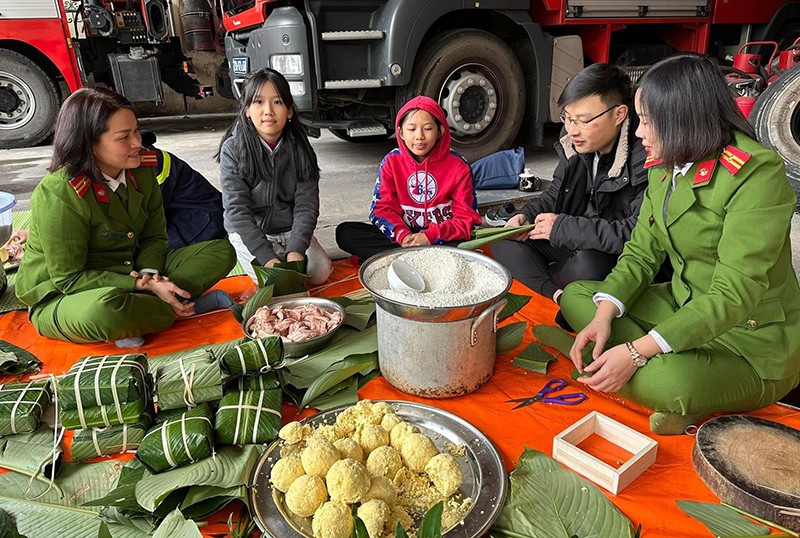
353 35
365 128
353 84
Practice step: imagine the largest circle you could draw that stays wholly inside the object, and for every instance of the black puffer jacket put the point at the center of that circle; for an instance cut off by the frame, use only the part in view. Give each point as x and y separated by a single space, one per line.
616 196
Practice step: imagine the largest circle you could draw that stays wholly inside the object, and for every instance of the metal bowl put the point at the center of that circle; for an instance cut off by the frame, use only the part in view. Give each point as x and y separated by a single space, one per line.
306 347
429 313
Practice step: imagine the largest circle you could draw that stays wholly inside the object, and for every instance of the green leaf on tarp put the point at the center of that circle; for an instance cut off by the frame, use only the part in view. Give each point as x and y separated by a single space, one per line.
492 235
338 372
202 501
261 297
228 468
509 337
558 338
8 529
514 305
176 526
346 342
431 526
544 498
345 393
721 520
59 512
32 454
123 495
286 280
17 361
533 358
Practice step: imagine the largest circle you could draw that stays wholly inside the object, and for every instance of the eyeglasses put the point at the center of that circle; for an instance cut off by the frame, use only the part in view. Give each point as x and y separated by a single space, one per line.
583 124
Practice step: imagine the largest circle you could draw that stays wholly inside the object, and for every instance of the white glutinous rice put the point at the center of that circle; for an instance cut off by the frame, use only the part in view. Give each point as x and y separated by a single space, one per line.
450 279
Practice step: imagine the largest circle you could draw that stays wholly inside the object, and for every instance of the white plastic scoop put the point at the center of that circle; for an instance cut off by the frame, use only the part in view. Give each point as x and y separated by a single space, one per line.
403 277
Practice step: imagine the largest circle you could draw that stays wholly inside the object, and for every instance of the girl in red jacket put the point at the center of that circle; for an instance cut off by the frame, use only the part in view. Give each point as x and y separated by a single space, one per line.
424 193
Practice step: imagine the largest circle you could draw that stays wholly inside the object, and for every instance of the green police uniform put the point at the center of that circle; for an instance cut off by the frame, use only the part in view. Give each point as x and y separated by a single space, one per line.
731 313
82 246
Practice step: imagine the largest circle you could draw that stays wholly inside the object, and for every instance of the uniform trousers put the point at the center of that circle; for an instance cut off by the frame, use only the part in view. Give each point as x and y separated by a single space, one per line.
109 314
545 268
708 379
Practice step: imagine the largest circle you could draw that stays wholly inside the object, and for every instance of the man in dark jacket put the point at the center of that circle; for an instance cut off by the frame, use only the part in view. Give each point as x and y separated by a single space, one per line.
193 205
586 215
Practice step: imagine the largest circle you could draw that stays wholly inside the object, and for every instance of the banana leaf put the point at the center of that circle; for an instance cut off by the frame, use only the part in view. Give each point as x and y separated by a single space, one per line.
558 338
164 415
249 417
103 380
514 304
189 380
104 415
487 236
37 455
8 528
261 297
230 467
339 372
721 520
17 361
176 526
509 337
202 501
22 406
548 501
533 358
358 312
179 441
119 439
58 512
286 278
253 356
266 381
123 496
141 522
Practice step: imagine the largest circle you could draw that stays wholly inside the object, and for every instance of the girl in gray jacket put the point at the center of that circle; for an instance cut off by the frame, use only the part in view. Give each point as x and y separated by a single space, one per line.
270 181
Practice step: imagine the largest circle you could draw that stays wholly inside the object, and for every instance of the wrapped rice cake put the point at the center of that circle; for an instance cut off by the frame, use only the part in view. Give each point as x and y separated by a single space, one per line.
188 381
249 417
254 356
104 415
22 406
178 441
103 380
118 439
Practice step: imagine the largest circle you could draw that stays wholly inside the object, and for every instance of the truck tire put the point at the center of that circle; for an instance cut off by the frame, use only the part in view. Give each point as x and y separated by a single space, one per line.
479 83
29 101
776 119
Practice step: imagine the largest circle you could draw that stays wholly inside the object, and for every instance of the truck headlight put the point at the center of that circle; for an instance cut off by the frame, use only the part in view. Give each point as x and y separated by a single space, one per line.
287 64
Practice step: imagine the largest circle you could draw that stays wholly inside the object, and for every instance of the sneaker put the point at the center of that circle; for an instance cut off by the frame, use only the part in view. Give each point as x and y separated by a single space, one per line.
499 217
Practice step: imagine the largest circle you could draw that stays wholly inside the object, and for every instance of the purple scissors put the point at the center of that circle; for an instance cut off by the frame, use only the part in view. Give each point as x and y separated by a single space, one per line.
554 385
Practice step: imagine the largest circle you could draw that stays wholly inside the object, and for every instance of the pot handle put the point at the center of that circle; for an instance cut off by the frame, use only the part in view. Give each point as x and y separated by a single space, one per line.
492 311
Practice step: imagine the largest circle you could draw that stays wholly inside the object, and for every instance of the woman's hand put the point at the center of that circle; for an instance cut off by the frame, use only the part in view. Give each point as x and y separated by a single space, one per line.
598 330
520 220
415 240
292 256
169 292
611 370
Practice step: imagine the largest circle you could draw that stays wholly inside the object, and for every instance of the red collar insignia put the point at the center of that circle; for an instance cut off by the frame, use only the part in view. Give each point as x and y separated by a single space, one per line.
704 172
132 179
100 192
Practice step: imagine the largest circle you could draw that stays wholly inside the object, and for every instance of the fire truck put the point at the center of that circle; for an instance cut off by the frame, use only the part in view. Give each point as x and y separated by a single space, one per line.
496 67
127 45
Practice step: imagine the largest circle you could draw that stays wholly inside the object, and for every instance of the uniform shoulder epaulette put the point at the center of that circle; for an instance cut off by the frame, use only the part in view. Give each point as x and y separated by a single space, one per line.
148 158
81 184
651 161
733 159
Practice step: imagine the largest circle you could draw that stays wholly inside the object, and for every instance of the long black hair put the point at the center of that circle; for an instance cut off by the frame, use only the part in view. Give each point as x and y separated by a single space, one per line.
690 109
248 147
83 118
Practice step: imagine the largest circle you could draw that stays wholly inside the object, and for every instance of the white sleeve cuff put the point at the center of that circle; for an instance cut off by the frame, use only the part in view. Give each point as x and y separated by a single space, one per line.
606 297
661 342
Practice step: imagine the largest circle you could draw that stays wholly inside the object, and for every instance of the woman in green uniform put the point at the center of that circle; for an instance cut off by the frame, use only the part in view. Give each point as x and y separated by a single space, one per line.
97 267
724 334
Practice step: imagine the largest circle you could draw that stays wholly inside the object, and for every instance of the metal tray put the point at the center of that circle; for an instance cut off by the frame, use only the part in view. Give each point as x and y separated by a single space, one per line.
485 478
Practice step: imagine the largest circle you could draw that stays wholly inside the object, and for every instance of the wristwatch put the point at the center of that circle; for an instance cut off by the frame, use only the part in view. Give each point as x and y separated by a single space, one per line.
636 357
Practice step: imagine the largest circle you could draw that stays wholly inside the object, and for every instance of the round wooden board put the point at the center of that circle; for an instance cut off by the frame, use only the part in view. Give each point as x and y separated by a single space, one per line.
752 464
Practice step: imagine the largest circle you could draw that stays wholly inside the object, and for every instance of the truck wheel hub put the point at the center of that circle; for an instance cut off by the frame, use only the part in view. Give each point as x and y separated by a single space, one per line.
16 102
469 100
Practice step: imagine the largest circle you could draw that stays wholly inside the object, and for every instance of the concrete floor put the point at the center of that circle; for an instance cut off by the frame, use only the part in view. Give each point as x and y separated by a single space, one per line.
348 170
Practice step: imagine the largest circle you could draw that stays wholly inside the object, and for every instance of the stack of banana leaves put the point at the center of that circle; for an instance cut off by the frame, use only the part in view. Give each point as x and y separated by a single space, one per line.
102 391
22 406
119 439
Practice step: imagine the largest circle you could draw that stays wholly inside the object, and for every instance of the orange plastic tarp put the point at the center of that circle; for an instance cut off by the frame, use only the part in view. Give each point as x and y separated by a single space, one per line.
649 500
